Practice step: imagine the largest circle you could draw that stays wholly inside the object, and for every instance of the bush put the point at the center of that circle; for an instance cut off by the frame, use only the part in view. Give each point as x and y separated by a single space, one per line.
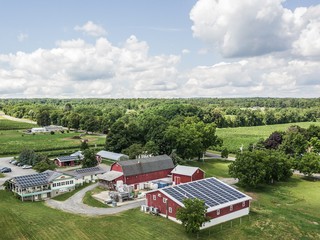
52 132
225 153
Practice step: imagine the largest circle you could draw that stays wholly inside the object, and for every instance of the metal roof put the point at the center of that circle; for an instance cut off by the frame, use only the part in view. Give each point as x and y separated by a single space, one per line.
112 155
110 176
146 165
68 158
212 191
185 170
86 171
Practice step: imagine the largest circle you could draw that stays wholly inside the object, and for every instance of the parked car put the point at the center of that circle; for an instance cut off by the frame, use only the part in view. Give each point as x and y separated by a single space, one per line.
11 160
19 164
5 170
14 162
26 166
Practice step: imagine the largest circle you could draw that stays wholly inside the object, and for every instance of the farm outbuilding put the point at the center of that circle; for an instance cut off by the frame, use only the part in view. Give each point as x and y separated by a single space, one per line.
64 161
138 170
223 202
111 156
86 175
184 174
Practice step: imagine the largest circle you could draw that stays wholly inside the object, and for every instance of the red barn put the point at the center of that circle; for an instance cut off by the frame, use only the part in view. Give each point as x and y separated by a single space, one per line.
223 202
64 161
139 170
184 174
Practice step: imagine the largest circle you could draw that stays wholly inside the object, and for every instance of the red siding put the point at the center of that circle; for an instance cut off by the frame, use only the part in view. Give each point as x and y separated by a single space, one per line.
158 203
146 177
183 178
199 174
227 210
116 167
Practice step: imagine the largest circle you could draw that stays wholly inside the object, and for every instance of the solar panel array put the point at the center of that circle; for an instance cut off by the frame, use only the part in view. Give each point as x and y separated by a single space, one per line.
210 190
32 180
85 170
68 158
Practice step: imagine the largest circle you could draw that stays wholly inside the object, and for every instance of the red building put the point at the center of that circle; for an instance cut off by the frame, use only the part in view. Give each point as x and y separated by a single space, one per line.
223 202
184 174
139 170
64 161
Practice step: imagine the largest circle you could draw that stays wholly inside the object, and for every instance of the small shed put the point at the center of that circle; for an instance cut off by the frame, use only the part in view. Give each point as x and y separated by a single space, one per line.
64 161
184 174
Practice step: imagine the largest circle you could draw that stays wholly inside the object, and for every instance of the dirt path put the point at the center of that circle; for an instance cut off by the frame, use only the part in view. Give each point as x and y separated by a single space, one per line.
75 205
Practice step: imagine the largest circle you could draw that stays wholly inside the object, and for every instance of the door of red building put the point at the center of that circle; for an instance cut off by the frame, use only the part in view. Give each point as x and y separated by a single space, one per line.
177 180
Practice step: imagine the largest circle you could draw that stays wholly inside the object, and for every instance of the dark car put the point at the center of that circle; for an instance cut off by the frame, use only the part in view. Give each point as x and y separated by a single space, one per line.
5 170
19 164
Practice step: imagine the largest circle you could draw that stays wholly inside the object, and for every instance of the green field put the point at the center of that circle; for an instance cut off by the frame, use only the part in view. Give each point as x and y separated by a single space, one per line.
233 138
13 125
212 167
13 141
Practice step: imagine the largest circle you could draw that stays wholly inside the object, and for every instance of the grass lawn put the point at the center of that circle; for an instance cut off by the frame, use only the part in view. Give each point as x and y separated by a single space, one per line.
13 141
65 196
212 167
233 138
2 175
288 210
91 201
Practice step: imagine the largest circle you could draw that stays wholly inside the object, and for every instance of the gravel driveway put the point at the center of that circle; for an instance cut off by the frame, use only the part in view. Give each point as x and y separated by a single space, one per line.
74 205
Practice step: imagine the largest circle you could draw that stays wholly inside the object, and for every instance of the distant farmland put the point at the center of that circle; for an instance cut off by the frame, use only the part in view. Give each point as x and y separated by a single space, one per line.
13 140
233 138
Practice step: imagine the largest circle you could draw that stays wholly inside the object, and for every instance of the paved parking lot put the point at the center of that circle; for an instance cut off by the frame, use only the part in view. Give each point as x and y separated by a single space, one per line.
16 171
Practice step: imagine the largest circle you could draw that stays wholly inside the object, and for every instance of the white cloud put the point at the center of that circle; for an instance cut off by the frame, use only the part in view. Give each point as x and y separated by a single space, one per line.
185 51
266 76
76 68
253 28
91 29
22 37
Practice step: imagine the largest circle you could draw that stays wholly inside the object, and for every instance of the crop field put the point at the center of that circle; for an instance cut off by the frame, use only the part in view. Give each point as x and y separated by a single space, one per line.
13 125
233 138
13 141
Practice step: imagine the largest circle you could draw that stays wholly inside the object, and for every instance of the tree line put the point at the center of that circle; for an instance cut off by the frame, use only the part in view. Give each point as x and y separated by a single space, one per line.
274 159
98 115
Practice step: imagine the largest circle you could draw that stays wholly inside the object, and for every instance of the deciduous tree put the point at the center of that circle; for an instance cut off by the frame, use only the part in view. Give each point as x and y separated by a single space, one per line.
192 215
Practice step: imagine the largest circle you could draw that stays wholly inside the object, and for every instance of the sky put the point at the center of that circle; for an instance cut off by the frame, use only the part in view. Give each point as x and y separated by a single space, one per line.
159 49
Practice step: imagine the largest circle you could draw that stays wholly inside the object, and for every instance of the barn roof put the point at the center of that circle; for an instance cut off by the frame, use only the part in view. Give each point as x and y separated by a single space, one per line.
213 192
112 155
68 158
146 165
185 170
78 173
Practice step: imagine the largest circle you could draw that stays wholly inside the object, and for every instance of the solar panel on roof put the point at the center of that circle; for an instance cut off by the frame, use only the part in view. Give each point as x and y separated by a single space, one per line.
212 191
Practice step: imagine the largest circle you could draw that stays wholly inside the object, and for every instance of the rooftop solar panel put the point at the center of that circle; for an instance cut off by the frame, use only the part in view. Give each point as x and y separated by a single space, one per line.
211 190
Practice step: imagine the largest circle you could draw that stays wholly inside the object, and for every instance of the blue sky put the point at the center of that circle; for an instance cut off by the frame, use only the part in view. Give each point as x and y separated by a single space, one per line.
168 48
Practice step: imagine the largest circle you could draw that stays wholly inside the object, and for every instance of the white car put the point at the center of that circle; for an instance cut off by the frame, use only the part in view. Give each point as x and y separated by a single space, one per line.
26 166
